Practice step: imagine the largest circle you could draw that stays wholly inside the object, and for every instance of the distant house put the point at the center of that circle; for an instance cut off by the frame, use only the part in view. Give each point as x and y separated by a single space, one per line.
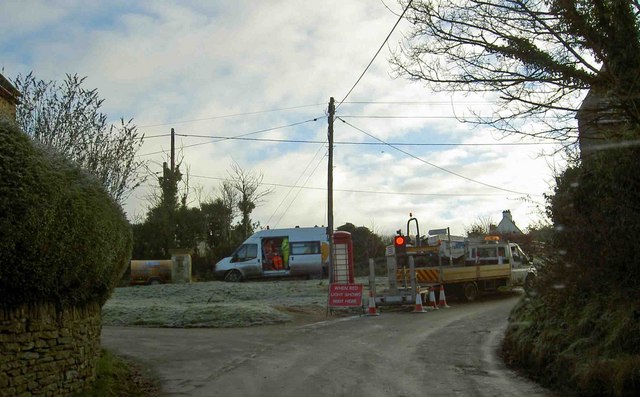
507 225
9 98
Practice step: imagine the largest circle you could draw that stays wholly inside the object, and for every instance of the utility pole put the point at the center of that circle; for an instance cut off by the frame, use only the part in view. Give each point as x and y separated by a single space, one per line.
332 111
173 150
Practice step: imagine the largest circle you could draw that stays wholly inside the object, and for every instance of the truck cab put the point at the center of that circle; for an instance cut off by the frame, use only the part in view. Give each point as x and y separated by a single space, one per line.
502 252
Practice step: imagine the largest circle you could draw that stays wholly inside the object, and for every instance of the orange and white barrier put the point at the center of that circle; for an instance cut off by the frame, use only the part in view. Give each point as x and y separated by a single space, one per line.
432 300
419 308
442 300
372 311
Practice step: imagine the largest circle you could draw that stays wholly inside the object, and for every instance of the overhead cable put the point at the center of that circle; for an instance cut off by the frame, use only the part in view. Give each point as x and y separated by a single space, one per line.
294 186
431 164
300 189
229 115
367 191
237 136
376 54
234 138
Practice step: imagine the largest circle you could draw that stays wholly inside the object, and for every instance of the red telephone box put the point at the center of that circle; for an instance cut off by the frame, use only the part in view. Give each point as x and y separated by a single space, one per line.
343 272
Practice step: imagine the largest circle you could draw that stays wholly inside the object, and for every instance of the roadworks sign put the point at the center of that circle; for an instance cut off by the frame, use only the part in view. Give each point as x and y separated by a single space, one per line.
345 295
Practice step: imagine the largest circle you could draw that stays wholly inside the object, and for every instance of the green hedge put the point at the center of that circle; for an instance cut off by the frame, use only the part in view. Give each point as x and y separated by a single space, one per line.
579 332
596 209
579 346
62 237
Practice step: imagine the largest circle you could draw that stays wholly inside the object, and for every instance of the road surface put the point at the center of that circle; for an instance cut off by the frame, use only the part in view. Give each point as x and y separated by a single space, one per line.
448 352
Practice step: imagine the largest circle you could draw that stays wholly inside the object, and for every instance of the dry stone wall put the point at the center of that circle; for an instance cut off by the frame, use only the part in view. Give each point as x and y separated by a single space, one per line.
7 109
48 352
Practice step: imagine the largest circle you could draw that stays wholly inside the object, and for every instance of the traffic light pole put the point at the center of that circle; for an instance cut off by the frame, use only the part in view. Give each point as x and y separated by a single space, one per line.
412 276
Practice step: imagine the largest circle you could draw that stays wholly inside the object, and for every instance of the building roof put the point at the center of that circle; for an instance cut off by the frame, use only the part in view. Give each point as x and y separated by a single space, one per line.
8 91
507 225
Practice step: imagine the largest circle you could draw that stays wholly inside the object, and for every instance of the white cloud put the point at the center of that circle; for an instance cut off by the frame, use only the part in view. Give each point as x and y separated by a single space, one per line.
186 64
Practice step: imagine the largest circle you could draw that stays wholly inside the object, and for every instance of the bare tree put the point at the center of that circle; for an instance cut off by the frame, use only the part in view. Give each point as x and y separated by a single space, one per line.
483 226
540 56
67 117
250 193
229 197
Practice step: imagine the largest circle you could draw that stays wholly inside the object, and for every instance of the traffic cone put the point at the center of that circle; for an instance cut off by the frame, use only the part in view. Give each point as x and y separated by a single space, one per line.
432 300
442 300
419 308
372 311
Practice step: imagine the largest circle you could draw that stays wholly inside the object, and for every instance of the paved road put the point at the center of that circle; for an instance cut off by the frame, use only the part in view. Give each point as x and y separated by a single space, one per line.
449 352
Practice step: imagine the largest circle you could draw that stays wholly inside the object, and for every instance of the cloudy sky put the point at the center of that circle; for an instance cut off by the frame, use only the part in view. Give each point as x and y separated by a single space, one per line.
262 73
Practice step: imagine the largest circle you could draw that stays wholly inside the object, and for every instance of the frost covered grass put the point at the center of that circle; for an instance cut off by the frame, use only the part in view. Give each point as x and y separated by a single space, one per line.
217 304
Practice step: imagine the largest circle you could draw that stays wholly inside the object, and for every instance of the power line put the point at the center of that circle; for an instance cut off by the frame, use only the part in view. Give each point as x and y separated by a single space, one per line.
376 54
273 140
431 164
368 191
400 117
295 185
156 136
300 189
229 115
237 136
298 107
461 119
412 103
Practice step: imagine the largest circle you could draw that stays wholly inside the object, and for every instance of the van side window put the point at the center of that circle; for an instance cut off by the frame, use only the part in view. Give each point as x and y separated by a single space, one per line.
245 252
305 248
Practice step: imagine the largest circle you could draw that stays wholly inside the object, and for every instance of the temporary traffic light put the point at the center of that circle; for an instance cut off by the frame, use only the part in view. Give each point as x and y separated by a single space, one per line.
400 243
400 246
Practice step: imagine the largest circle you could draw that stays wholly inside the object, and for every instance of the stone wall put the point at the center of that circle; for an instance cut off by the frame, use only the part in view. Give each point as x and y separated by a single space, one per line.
9 98
48 352
7 109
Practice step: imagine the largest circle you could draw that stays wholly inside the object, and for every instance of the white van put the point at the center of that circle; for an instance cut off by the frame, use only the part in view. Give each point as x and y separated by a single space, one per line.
300 251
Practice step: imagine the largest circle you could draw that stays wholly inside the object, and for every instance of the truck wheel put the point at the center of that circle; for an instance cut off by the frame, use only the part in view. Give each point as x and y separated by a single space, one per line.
470 291
233 276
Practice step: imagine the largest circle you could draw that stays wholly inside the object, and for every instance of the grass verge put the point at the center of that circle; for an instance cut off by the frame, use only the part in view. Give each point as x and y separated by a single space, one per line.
117 376
578 344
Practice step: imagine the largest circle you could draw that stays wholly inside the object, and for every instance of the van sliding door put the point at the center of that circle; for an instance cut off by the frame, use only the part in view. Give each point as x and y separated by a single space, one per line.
305 258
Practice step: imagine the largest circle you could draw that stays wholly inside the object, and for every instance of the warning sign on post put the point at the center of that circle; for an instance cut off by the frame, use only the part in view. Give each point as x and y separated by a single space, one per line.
345 295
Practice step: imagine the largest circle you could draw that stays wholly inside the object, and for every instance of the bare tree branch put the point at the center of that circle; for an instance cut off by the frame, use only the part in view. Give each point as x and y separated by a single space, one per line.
67 117
249 192
540 56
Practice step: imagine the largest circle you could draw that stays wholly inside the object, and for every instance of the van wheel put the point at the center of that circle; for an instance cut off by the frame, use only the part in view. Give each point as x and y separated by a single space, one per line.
470 291
154 281
233 276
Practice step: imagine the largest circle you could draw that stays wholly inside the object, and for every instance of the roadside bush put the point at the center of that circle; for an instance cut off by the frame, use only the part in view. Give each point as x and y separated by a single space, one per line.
596 212
63 239
585 344
580 331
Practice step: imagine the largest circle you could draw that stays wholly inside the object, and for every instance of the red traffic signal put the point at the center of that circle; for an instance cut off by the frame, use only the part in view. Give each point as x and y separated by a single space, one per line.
400 248
400 241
